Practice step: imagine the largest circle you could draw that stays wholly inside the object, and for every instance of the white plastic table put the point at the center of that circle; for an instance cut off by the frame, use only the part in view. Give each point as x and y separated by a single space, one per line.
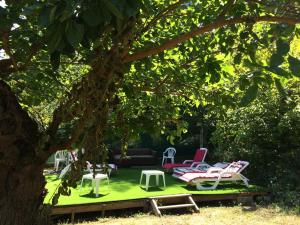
156 173
95 181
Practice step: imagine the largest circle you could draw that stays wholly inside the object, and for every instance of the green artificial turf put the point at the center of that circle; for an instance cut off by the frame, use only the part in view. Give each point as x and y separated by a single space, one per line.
124 185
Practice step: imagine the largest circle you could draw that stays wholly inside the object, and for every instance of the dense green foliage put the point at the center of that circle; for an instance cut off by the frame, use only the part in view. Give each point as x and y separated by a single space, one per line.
267 135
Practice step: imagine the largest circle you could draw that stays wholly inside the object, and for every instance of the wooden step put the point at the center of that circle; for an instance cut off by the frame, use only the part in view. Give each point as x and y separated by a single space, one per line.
156 208
176 206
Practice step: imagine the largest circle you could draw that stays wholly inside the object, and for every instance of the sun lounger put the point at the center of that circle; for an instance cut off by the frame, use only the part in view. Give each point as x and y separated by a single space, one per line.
216 175
201 168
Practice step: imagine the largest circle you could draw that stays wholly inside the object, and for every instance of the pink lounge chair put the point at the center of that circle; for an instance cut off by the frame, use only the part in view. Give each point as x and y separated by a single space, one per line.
230 173
198 158
201 168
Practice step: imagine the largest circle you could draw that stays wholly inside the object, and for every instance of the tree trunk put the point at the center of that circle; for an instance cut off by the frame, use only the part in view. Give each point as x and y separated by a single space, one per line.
21 202
21 175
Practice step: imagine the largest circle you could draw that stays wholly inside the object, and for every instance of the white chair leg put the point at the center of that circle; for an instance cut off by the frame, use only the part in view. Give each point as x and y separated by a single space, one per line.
108 189
157 180
141 179
55 165
163 176
97 183
80 186
213 187
245 180
93 184
147 181
58 165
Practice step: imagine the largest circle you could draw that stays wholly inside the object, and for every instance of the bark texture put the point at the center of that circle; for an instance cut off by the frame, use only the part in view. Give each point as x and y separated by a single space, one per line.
21 174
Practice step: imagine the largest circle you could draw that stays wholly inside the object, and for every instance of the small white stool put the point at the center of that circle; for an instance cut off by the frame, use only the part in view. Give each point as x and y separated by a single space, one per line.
148 173
95 181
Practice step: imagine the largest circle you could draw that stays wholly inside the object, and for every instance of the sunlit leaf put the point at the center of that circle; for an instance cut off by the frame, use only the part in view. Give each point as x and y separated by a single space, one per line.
74 33
282 47
276 60
249 95
294 65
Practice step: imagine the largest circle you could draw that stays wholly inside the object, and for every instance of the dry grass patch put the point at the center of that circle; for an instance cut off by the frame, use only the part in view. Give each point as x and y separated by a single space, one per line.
209 215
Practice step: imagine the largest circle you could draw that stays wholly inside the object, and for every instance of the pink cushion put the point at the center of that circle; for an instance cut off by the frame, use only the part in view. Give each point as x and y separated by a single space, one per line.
169 166
187 170
191 176
200 155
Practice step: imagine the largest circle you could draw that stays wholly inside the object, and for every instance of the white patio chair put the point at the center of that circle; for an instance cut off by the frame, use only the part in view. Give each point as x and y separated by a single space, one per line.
169 153
95 178
60 157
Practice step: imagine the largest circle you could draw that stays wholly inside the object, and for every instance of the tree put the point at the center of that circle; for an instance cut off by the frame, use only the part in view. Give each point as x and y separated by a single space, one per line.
113 40
266 134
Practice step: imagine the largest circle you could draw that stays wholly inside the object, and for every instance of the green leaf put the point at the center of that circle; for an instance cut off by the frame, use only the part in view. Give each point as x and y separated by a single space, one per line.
243 83
55 36
294 66
237 59
113 9
249 95
69 51
258 77
132 7
244 35
283 47
44 17
31 9
92 15
134 4
279 71
214 77
55 60
74 33
276 60
279 87
4 21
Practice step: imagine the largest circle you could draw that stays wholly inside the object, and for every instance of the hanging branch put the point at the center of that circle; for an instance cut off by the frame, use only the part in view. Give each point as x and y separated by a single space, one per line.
204 29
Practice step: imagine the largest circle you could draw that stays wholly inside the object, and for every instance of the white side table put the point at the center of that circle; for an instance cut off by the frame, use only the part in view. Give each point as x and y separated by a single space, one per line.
95 181
156 173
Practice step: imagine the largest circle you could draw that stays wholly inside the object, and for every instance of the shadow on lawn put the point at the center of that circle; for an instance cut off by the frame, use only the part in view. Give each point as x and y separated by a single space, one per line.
52 178
152 189
92 195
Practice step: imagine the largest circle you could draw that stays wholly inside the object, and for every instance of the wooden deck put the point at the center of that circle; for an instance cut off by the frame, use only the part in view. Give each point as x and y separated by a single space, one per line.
144 203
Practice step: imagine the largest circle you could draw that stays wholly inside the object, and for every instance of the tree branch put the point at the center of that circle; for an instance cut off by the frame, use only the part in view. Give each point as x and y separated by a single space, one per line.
204 29
6 68
6 47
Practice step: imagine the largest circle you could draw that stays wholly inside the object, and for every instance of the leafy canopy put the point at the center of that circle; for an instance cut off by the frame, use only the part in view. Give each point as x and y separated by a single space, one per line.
178 53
